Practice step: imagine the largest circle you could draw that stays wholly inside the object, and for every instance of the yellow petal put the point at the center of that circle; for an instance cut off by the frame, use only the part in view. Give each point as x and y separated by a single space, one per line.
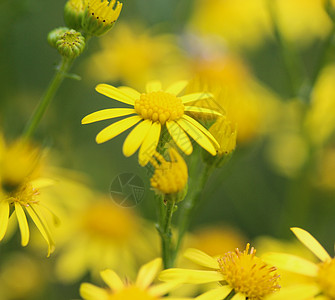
202 128
149 144
291 263
106 114
4 216
195 96
296 292
44 230
162 288
112 280
23 224
130 92
91 292
42 182
116 128
180 137
197 135
311 243
216 294
114 93
153 86
202 110
201 258
239 296
177 87
190 276
136 137
148 273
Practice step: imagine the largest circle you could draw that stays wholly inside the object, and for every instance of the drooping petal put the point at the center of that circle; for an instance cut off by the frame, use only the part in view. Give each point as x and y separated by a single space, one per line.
190 276
197 135
116 128
180 137
177 87
23 224
297 292
201 258
149 144
195 97
130 92
136 137
291 263
44 230
148 272
311 243
112 280
239 296
216 294
4 216
153 86
202 128
202 110
114 93
106 114
91 292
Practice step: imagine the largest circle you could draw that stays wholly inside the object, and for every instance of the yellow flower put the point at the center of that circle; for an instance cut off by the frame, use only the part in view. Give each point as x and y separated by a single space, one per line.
152 111
133 55
142 289
170 177
322 273
241 272
100 16
20 189
99 234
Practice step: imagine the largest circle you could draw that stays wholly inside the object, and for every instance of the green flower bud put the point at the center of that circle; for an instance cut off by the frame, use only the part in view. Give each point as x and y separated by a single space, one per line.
71 44
55 34
100 16
73 13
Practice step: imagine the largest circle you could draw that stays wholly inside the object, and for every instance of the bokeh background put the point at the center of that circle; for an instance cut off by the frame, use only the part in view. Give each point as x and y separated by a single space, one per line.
273 62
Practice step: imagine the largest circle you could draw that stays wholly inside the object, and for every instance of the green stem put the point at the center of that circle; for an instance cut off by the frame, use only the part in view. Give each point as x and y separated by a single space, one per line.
166 235
47 97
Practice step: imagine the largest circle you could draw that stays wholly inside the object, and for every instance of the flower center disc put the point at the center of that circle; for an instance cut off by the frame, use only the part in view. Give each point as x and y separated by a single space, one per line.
159 106
326 278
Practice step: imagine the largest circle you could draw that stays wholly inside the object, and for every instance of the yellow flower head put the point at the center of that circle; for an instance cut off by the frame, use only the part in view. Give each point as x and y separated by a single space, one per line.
20 185
242 272
323 273
170 177
73 13
151 111
142 289
100 16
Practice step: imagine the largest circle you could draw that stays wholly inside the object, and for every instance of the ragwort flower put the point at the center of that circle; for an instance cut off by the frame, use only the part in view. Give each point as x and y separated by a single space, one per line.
323 273
152 111
241 273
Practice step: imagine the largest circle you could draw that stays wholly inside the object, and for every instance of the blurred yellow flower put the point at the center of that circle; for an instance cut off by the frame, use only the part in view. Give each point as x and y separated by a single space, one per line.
134 56
142 289
100 234
239 22
170 177
20 189
154 110
242 272
323 273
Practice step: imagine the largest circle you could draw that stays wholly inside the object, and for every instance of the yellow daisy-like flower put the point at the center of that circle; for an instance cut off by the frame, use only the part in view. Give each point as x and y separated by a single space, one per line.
151 111
20 186
170 177
240 273
142 289
323 273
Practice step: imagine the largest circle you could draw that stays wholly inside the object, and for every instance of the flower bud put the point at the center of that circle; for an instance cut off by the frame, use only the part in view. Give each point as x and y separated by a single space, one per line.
170 177
100 16
55 34
70 44
73 13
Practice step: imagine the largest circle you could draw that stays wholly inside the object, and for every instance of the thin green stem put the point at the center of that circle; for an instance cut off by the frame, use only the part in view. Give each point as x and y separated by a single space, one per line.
47 97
